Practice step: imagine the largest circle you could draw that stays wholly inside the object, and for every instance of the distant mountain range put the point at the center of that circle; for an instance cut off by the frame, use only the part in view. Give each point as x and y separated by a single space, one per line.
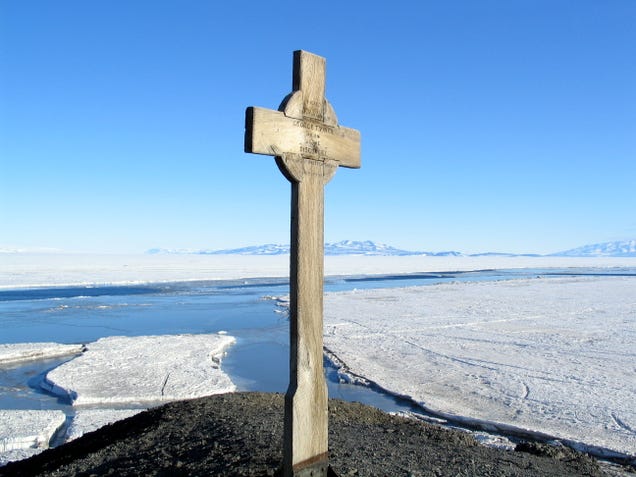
345 247
626 248
623 248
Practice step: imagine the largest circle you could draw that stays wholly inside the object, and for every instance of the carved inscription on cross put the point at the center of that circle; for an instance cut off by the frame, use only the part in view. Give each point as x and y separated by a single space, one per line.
309 145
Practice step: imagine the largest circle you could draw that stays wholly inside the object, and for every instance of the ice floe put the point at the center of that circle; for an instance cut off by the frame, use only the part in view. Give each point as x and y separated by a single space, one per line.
21 352
17 454
89 420
552 357
143 369
27 432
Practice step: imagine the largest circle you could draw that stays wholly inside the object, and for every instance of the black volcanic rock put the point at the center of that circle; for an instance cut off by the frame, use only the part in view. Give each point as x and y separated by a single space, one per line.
241 435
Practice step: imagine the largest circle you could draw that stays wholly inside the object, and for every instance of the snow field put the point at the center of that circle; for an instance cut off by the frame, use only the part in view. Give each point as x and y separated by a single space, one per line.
553 357
24 270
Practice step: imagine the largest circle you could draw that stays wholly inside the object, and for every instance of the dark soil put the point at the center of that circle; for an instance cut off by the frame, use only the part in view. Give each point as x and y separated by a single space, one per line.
241 435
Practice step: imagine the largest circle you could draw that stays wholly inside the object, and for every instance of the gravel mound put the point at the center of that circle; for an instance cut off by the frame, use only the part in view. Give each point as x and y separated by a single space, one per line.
240 434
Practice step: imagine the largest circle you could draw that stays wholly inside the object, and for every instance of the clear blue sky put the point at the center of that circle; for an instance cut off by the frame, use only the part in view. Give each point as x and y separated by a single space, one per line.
486 125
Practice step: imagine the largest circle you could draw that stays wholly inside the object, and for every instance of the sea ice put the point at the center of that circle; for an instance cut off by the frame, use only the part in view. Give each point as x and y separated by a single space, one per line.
23 270
20 352
24 433
17 454
88 420
143 369
551 356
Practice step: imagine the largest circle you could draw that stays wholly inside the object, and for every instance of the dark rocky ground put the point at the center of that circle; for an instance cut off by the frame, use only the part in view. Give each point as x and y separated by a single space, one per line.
241 435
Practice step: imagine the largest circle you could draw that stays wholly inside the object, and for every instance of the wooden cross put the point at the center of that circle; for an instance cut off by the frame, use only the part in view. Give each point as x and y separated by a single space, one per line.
309 146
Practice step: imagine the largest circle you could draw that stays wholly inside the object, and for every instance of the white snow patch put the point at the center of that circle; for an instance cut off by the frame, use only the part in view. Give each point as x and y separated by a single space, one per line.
144 369
493 440
27 429
20 352
89 420
551 356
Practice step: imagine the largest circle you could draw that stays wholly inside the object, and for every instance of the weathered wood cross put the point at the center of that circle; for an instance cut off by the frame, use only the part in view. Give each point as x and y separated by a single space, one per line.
309 146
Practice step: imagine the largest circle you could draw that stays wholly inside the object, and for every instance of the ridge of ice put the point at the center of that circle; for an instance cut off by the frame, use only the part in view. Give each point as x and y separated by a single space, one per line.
143 369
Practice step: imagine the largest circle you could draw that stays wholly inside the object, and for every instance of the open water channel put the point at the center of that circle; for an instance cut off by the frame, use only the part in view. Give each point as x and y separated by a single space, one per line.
245 309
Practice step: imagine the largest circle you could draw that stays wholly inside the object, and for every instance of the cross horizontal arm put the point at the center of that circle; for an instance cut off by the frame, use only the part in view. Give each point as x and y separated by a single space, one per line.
275 134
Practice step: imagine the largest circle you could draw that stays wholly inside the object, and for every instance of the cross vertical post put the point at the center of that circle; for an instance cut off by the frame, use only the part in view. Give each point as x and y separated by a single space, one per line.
309 145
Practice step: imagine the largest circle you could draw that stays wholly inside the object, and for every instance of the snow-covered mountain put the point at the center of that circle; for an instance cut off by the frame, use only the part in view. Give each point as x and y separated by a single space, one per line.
267 249
345 247
625 248
504 254
448 253
622 248
366 247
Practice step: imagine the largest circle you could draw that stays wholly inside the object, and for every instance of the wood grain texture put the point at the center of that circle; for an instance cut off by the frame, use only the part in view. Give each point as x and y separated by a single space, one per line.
309 77
306 422
274 134
309 145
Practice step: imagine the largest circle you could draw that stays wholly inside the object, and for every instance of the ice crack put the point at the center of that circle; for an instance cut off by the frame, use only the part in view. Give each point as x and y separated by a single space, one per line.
165 381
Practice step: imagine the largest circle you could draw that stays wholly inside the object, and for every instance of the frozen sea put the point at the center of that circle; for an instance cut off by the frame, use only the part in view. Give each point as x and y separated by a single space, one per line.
79 300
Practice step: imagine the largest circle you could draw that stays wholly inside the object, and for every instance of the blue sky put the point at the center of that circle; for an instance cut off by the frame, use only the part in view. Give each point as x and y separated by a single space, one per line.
486 125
